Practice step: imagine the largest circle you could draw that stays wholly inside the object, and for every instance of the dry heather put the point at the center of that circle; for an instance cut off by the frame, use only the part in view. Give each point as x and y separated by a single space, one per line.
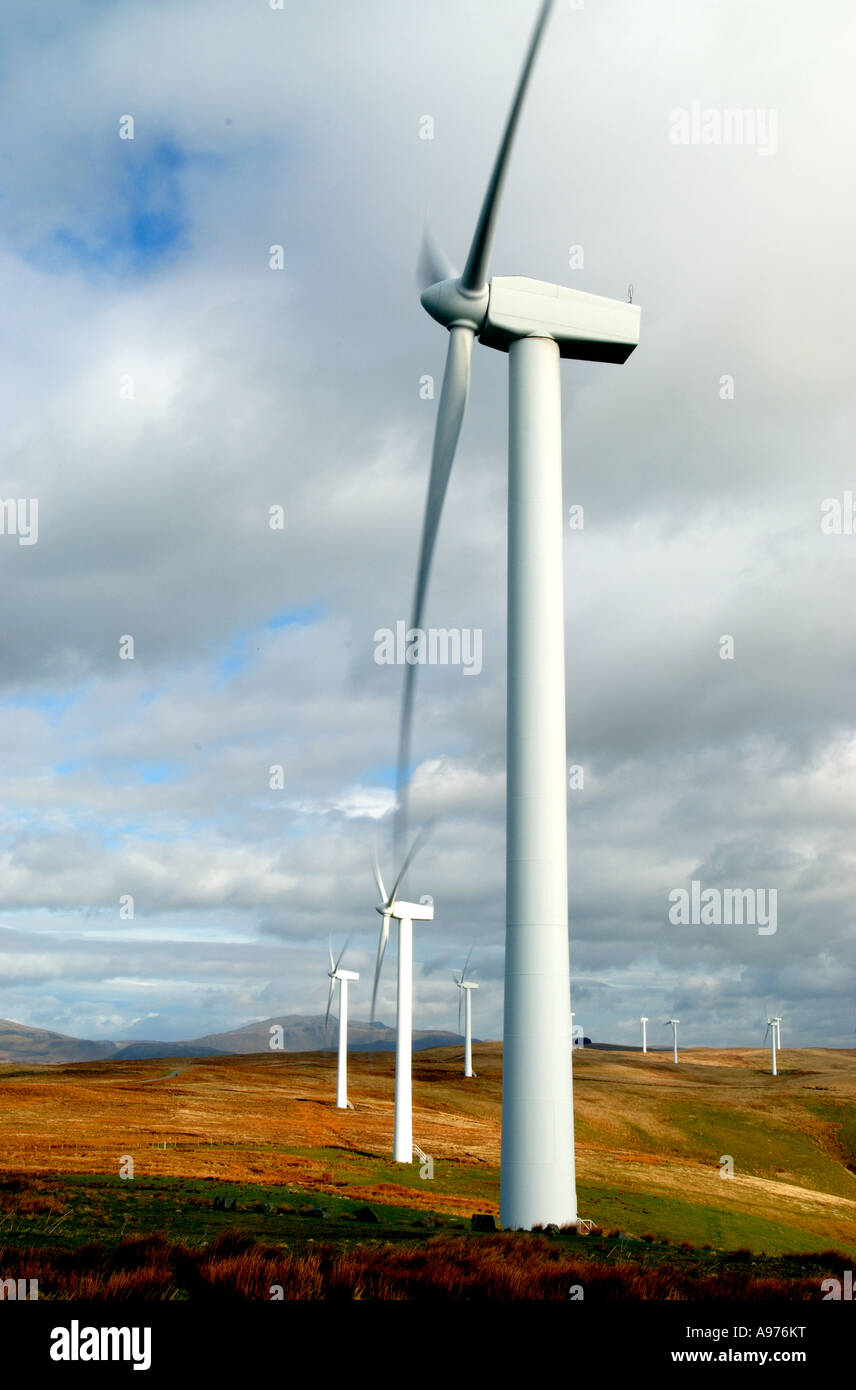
502 1267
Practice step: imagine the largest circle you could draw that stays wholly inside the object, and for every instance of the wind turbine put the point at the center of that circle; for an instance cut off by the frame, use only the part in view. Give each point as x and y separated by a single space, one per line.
343 979
644 1023
465 987
674 1024
537 324
773 1030
405 914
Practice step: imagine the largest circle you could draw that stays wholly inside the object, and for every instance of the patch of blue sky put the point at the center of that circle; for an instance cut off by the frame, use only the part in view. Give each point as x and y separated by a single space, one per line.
145 771
54 706
298 617
167 933
153 774
73 765
239 656
139 224
137 831
381 775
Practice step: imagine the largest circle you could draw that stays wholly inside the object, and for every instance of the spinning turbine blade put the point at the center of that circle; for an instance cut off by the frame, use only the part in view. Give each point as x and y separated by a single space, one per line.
330 944
453 397
433 265
341 953
378 879
460 1003
474 277
420 839
381 952
329 1002
450 415
467 963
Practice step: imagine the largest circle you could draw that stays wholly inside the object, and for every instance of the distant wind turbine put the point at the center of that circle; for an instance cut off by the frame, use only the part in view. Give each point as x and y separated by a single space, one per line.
343 979
673 1023
773 1032
405 914
644 1023
465 999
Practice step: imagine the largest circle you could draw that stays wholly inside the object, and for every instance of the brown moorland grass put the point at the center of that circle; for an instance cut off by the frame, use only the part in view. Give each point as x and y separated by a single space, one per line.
498 1268
644 1127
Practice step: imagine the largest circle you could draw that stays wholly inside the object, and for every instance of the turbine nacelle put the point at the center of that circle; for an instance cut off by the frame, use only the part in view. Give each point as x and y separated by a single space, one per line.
343 974
587 327
412 912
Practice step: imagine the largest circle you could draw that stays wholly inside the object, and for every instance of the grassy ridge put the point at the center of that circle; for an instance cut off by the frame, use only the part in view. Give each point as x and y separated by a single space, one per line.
90 1236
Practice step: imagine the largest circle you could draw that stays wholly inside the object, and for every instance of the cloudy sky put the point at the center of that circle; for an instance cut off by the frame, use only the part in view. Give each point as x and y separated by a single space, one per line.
163 387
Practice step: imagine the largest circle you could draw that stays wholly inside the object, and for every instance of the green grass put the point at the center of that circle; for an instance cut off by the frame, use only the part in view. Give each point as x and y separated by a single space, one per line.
677 1220
99 1213
478 1181
106 1209
761 1148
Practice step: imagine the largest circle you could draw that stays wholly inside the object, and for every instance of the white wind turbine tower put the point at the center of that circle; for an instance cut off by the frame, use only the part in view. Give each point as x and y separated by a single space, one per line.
465 987
674 1026
343 979
405 914
537 325
644 1023
773 1031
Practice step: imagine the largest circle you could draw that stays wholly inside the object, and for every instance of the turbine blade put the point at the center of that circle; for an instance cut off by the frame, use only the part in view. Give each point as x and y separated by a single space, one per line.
450 416
342 952
474 276
329 1002
381 951
467 962
433 264
460 1002
420 839
378 880
330 944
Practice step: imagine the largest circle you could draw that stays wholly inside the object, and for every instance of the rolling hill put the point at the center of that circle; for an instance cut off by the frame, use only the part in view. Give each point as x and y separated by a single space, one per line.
300 1033
715 1151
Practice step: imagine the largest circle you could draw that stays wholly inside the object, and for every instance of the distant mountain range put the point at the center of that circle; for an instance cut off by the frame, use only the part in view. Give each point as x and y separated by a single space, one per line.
300 1033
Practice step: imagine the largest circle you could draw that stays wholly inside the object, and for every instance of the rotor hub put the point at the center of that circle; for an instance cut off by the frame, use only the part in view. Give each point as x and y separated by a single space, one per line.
452 306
